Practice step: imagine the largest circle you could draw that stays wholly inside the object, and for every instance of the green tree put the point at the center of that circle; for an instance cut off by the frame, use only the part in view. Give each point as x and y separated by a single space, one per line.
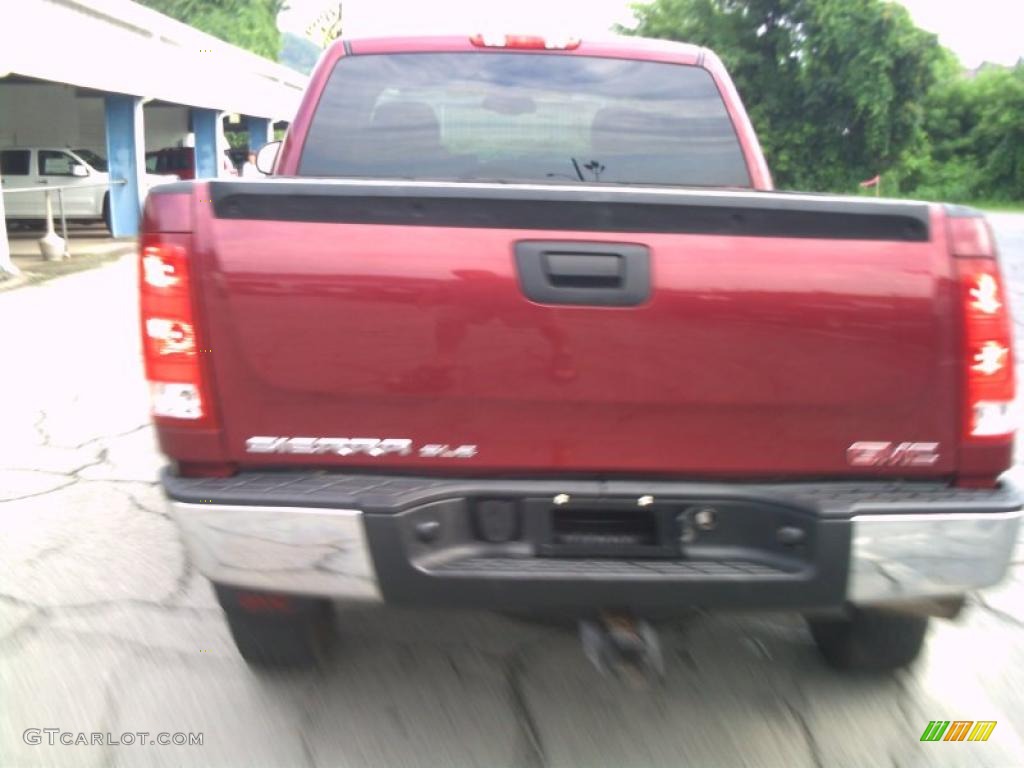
998 134
835 88
974 131
250 24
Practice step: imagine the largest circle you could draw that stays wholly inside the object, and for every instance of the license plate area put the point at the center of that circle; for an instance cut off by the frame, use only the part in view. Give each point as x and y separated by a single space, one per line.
599 528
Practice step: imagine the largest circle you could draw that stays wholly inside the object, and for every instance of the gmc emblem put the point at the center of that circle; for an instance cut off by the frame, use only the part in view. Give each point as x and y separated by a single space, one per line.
868 454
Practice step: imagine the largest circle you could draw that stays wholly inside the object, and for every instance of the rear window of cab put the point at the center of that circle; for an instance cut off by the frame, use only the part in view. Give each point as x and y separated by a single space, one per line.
525 118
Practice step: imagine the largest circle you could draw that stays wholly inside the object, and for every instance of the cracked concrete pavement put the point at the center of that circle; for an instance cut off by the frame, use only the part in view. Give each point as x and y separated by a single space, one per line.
104 626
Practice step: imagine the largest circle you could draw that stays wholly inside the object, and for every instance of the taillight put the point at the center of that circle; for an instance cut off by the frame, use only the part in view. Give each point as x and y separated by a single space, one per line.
525 42
988 341
170 342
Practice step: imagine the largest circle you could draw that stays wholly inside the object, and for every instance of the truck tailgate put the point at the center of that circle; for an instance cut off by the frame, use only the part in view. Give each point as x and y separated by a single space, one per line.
778 330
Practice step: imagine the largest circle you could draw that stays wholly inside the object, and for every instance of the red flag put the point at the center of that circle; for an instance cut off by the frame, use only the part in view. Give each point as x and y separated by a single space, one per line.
871 182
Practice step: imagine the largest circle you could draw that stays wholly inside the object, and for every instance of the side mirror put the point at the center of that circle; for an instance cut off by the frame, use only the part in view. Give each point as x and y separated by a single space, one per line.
78 170
267 156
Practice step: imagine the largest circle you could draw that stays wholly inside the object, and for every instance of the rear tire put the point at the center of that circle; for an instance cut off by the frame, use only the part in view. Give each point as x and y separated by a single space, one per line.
274 630
870 640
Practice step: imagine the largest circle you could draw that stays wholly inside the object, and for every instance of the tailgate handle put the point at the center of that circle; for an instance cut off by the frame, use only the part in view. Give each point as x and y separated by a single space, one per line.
588 274
584 270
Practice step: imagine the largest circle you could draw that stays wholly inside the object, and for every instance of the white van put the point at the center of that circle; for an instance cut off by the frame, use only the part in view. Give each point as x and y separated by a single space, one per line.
42 167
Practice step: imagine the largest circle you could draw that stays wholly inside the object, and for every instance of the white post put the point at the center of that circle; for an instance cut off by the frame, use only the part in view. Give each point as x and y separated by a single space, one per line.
6 265
51 245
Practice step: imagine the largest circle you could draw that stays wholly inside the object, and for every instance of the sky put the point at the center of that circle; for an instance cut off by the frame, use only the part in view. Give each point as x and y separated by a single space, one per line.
976 30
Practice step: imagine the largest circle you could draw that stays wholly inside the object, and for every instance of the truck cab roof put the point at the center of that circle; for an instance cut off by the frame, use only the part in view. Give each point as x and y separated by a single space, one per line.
609 45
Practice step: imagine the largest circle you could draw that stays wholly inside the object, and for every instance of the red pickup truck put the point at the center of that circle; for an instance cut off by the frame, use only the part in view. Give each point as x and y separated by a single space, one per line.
519 324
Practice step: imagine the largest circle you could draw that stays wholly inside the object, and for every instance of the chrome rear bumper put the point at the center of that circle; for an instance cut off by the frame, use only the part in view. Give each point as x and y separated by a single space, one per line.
894 556
280 549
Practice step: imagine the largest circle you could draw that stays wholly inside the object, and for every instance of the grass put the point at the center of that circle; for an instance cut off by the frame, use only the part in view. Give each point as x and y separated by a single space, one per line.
1008 206
1012 206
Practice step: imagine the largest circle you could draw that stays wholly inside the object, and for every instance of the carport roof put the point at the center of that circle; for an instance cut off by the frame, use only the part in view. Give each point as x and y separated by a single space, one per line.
122 47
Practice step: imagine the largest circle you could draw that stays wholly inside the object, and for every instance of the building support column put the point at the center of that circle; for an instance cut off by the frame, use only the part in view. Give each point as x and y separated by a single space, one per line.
204 127
260 131
126 158
7 266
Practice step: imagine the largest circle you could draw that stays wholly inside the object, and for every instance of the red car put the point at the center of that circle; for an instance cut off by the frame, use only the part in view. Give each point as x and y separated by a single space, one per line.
181 161
520 324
